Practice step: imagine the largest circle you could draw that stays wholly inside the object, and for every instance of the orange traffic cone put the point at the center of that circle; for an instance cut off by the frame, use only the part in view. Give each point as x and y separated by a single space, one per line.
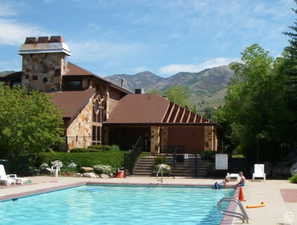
241 195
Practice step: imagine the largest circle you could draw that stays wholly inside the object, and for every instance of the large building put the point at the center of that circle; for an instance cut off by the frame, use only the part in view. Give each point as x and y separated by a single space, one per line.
96 111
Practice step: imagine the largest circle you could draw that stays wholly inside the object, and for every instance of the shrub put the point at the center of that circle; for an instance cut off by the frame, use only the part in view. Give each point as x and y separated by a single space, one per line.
103 169
208 155
131 159
293 179
100 147
160 160
112 158
97 148
163 169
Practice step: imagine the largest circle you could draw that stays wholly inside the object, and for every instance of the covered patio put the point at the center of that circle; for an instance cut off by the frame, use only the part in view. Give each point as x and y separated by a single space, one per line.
161 125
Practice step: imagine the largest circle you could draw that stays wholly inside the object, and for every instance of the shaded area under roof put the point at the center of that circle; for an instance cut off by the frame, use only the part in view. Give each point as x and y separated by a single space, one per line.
71 102
153 109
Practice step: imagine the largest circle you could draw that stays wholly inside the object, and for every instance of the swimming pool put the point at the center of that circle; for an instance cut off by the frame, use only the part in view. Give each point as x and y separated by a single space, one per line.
114 205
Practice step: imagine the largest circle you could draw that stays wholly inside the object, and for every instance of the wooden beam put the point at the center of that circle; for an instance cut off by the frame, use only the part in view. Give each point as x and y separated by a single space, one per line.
176 114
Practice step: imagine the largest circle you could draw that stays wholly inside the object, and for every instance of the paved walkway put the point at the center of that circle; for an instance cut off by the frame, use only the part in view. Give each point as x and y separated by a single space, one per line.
276 212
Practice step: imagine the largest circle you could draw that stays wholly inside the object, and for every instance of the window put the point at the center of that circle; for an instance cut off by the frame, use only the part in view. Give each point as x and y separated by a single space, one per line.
96 135
75 84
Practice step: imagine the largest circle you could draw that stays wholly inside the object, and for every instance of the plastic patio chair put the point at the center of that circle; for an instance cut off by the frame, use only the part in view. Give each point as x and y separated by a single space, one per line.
6 179
259 171
10 178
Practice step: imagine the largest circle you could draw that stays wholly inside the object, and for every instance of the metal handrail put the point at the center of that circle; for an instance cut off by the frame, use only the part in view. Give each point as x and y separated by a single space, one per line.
240 215
131 157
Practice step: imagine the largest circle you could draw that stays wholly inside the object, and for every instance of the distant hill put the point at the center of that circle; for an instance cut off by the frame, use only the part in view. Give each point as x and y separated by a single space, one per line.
207 87
4 73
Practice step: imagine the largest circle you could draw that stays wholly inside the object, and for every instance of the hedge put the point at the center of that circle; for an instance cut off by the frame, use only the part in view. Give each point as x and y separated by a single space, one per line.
97 148
293 179
113 158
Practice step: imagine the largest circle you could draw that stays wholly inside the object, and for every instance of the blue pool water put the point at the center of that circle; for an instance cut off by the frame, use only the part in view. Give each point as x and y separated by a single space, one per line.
117 205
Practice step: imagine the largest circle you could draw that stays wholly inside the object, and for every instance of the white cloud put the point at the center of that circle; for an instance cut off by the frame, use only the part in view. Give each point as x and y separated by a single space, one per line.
92 51
175 68
13 32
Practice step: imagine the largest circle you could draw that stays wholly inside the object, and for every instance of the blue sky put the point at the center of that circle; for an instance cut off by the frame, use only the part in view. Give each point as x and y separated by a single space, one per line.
162 36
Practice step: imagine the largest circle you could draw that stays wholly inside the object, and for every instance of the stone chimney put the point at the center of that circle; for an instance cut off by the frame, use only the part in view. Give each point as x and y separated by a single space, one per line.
43 62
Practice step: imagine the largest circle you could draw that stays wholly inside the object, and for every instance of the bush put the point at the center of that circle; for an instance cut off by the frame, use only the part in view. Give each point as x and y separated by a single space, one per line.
293 179
103 169
97 148
208 155
160 160
163 169
131 159
112 158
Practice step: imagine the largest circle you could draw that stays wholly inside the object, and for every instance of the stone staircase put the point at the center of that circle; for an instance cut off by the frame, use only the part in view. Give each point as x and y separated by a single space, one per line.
144 167
187 168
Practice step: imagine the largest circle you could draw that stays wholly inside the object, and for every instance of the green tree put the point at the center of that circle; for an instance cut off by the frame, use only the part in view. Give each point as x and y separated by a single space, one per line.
255 116
290 68
178 94
29 123
154 91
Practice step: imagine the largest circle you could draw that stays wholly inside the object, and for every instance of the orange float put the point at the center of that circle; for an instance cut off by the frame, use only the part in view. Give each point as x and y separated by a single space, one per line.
262 204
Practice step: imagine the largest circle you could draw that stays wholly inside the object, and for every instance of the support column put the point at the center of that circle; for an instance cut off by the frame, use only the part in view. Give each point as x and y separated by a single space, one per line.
155 140
164 139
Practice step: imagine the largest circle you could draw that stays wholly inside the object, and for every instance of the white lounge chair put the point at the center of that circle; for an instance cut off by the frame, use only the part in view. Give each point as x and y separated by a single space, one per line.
6 179
231 176
259 171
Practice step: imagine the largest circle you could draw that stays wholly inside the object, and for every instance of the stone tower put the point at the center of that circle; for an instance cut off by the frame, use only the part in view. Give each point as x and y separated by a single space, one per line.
43 62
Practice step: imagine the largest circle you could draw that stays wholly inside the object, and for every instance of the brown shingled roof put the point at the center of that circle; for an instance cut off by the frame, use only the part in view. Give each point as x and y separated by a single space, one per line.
71 102
153 109
74 70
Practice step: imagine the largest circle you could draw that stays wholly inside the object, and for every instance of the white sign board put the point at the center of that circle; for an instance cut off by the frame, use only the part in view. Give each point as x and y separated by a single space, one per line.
221 161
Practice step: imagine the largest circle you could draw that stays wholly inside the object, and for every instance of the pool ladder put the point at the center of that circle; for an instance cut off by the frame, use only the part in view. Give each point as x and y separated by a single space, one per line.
242 215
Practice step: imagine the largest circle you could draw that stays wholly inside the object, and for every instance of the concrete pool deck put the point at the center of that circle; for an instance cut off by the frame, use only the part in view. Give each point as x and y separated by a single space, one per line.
281 209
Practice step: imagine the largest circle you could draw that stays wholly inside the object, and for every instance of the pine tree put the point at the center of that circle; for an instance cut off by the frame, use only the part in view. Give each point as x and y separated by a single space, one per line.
290 65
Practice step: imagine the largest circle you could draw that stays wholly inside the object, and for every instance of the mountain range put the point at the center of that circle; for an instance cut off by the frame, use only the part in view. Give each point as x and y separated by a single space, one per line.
207 87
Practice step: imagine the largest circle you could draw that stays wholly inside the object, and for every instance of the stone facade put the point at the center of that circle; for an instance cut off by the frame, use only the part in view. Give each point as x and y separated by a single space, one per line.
79 132
210 138
43 71
155 140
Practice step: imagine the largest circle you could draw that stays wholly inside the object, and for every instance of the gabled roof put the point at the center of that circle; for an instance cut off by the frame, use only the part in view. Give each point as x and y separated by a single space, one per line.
71 102
74 70
153 109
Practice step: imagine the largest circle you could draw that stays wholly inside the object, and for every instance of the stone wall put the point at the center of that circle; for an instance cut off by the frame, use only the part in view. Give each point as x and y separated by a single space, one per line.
155 140
79 133
43 71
